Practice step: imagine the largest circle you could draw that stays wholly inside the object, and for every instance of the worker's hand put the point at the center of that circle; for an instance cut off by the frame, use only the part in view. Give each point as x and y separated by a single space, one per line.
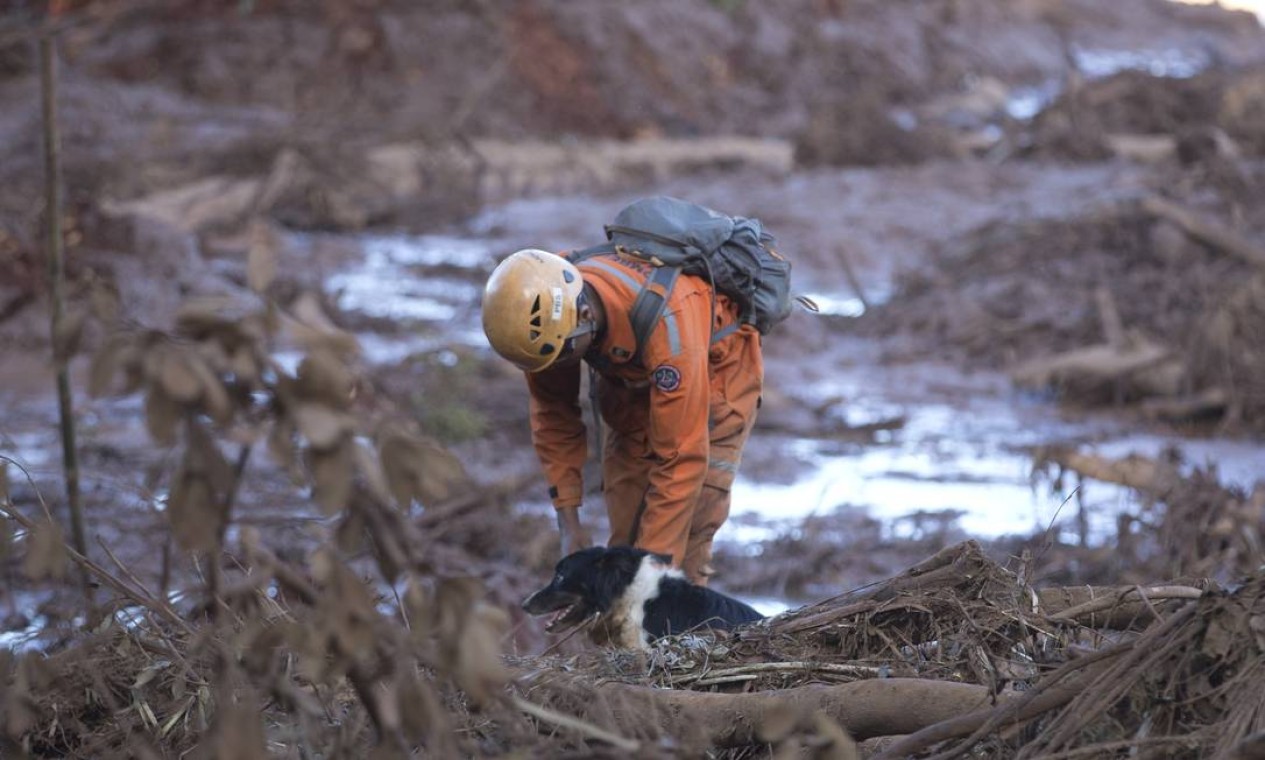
574 535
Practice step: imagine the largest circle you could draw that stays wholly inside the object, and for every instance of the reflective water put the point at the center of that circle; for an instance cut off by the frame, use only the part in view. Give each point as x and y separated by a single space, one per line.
964 445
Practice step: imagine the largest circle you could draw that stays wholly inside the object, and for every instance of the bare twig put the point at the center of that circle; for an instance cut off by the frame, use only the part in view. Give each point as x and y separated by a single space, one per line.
752 669
38 496
1107 602
572 723
106 576
57 284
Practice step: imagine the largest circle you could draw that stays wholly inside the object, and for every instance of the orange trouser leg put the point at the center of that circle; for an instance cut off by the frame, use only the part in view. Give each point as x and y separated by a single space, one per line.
625 459
737 378
626 463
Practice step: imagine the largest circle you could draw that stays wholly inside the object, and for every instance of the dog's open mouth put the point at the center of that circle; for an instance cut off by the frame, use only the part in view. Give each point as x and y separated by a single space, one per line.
565 610
568 617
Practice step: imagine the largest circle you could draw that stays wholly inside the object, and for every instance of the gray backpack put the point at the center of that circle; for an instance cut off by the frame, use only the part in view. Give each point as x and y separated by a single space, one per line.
731 252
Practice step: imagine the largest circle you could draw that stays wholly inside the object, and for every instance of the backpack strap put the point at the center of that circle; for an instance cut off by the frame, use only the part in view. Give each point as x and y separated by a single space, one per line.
575 257
726 331
648 307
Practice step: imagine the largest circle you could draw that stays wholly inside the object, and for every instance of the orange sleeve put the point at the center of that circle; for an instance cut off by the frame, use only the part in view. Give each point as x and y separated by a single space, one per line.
557 431
676 357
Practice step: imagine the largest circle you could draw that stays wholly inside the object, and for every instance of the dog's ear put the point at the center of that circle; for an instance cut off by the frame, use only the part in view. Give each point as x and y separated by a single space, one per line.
605 586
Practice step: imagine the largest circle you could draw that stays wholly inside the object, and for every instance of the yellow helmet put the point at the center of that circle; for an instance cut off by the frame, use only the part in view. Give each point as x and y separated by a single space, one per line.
530 308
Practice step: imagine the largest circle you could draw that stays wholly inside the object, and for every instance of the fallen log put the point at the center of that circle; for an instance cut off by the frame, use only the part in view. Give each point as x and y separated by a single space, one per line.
1137 366
1146 149
865 709
1212 402
1149 476
1207 231
1011 712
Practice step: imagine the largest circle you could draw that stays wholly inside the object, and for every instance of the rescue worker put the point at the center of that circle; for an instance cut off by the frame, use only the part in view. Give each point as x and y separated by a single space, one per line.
675 421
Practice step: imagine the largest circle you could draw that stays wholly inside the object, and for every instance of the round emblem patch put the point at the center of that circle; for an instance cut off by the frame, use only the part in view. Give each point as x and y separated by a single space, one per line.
667 378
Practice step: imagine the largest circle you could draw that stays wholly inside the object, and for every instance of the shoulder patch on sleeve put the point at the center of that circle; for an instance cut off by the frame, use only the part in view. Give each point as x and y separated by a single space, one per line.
667 378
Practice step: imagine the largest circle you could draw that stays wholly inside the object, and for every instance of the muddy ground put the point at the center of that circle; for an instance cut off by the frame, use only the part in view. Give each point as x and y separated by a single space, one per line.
974 172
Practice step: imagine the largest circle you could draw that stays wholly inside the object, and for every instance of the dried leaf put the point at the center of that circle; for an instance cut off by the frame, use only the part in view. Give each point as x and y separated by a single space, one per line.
323 427
239 732
420 609
203 456
323 565
68 336
395 453
423 714
105 363
439 473
1218 640
480 671
841 746
6 538
104 302
178 378
244 367
332 476
130 359
349 536
312 329
195 517
45 552
371 471
281 444
777 723
20 714
1256 624
470 632
261 261
161 416
215 398
322 376
201 316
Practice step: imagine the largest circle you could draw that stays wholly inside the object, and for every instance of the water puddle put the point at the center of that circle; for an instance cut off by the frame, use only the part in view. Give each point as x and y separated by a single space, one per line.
1024 103
962 447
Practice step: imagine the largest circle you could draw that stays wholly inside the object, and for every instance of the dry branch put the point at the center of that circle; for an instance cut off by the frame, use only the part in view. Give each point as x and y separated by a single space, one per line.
58 322
1145 365
747 672
1119 597
157 605
1206 231
562 720
1110 607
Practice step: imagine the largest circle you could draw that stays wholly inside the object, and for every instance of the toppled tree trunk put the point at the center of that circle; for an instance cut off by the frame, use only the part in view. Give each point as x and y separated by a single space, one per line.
868 708
1135 367
1151 477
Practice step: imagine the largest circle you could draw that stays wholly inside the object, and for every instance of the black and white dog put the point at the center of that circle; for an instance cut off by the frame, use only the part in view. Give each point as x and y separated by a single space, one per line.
639 596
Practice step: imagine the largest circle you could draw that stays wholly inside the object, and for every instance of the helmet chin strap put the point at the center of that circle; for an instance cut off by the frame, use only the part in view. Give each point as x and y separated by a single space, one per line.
588 329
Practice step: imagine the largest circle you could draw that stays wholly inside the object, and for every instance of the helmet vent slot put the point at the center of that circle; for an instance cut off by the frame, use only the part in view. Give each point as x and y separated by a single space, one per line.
535 334
546 349
535 307
535 321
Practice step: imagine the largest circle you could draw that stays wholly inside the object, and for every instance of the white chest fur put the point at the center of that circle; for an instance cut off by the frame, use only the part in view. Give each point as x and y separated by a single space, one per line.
629 611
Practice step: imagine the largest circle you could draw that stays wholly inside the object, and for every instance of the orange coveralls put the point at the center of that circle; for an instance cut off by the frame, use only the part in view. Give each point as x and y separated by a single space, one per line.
674 424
